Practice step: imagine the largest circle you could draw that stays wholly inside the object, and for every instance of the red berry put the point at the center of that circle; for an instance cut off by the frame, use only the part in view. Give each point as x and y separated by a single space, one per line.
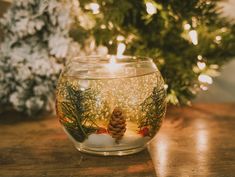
101 130
144 131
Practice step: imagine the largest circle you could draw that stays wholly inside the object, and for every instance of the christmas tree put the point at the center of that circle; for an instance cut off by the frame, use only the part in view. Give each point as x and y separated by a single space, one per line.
188 40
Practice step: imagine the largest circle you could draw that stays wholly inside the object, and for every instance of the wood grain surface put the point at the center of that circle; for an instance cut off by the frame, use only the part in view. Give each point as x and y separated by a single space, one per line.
193 141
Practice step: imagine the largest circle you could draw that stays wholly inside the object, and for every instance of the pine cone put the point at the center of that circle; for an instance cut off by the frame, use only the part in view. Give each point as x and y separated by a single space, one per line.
117 124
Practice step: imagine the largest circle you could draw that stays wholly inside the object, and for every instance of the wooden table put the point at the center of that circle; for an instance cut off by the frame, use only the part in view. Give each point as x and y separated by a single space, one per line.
194 141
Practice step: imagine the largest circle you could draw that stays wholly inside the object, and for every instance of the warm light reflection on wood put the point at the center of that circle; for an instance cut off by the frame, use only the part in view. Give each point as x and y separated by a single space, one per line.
202 145
201 136
165 149
162 153
159 154
194 141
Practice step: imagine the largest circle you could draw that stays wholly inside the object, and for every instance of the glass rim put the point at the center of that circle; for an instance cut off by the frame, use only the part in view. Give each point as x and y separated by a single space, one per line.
98 66
104 59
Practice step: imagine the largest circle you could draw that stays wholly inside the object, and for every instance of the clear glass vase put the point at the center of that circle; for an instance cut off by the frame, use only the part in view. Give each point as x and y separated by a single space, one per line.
109 105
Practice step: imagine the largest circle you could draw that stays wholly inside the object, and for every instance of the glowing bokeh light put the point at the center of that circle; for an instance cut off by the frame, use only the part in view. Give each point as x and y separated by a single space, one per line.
150 8
205 79
193 36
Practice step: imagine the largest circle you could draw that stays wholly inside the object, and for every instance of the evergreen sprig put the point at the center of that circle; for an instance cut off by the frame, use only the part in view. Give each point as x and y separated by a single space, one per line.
76 109
154 108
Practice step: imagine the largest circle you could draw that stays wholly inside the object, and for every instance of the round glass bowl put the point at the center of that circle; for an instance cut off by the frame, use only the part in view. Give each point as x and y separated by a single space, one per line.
109 105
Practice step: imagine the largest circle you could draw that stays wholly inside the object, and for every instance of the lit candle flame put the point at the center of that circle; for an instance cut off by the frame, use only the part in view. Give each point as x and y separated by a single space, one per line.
120 50
112 66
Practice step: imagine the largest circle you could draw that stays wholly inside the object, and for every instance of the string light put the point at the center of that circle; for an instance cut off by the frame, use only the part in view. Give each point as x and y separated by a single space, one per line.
150 8
201 65
187 26
165 86
103 26
218 38
203 87
94 7
205 79
224 29
193 36
199 57
110 25
120 38
194 22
